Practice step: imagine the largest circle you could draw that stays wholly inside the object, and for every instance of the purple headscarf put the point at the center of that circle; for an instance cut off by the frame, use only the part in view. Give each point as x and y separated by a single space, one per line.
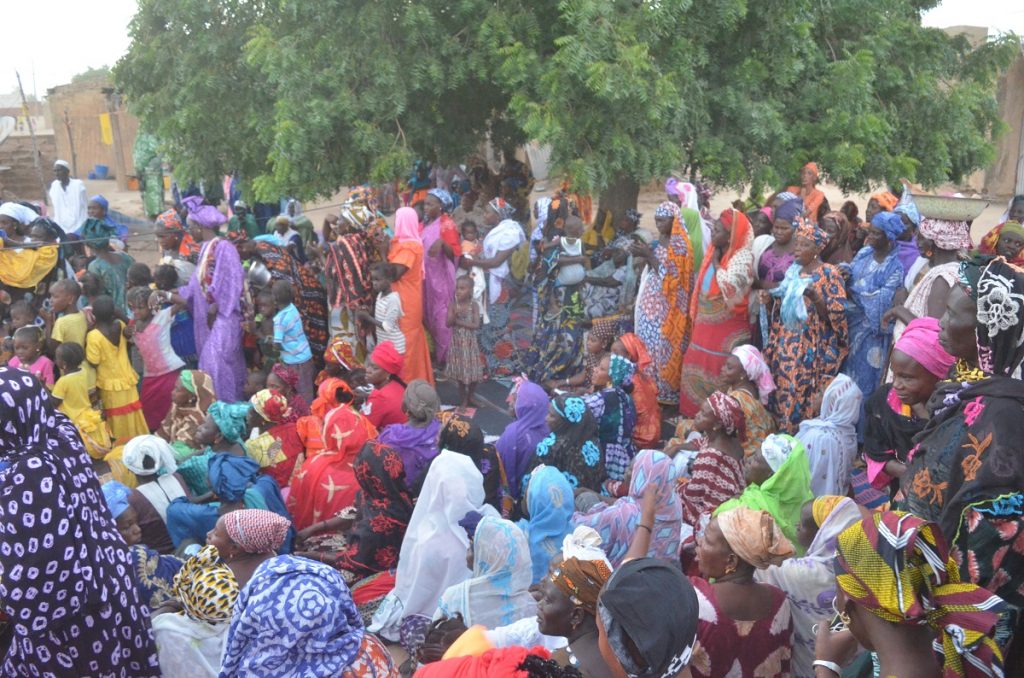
519 441
416 446
206 216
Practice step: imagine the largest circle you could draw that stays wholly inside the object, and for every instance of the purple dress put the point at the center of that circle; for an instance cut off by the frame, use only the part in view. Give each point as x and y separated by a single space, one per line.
219 347
439 280
519 440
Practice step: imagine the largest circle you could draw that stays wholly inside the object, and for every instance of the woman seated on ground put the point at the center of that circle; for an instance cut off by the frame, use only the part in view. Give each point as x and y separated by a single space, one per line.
809 581
900 595
191 641
572 445
716 473
460 434
285 380
831 438
190 399
416 440
746 377
147 457
278 447
496 593
519 440
745 627
548 515
778 481
897 412
615 413
384 373
647 431
597 345
263 639
617 522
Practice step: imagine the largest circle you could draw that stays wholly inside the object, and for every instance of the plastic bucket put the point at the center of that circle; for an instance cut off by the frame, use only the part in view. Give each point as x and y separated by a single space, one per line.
102 171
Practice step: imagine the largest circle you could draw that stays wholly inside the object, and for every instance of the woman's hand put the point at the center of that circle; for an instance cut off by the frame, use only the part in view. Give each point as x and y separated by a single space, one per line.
839 647
435 249
211 315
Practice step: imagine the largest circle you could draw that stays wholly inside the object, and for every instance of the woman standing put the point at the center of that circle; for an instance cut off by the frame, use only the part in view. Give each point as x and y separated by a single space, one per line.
406 259
111 267
719 308
86 614
807 342
875 277
993 243
809 193
441 248
214 296
776 259
663 301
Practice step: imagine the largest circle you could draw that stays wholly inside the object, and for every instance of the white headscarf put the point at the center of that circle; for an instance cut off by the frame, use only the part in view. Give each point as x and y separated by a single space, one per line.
584 543
433 555
154 448
23 215
831 438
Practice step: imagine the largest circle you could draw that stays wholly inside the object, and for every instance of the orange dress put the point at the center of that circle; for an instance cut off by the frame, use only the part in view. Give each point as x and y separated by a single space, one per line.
812 202
410 290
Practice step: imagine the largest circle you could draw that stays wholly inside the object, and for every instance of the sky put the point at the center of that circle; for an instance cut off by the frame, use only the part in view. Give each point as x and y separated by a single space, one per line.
60 38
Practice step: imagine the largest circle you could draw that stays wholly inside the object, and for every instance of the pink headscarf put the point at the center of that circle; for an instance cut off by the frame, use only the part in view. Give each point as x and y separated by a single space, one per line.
206 216
256 530
756 369
920 341
947 235
407 224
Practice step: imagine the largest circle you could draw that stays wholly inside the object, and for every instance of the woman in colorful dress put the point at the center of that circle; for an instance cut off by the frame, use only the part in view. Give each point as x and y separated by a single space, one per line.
111 267
716 474
876 275
214 297
809 193
406 259
647 431
719 308
773 262
347 258
441 252
572 445
615 413
746 377
993 243
518 441
416 440
661 319
807 340
277 448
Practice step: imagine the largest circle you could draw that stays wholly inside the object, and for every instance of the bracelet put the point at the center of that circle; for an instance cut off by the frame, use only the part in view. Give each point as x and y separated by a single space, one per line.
831 666
645 527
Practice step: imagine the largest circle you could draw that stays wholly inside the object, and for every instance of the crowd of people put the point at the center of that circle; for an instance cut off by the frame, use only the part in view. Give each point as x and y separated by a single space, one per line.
760 443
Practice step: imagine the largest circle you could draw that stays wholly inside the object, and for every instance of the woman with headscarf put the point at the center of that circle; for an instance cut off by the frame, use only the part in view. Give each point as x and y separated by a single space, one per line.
1012 247
644 392
109 265
285 380
151 459
775 255
440 237
807 341
831 437
87 611
746 377
876 274
687 196
900 594
572 445
809 193
214 297
433 555
190 642
840 246
896 412
778 481
190 400
416 440
347 258
519 440
745 627
98 207
460 434
383 407
278 447
615 413
661 318
808 581
266 639
549 509
966 472
617 522
647 619
716 474
719 308
406 259
496 593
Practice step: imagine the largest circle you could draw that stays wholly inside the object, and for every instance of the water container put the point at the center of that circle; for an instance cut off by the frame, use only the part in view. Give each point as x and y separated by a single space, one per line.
102 171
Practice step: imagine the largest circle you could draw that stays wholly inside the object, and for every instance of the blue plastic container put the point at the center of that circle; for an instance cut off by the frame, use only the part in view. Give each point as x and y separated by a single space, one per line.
102 171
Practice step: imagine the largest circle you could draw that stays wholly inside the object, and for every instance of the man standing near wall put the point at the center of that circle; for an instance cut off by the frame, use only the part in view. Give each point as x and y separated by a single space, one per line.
67 196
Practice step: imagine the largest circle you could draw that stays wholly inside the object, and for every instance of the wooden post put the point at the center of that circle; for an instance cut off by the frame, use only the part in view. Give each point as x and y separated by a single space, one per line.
71 144
32 133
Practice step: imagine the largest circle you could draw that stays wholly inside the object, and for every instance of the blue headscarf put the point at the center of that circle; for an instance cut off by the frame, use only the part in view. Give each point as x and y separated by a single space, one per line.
120 229
231 475
889 223
230 418
116 495
791 211
909 207
550 502
444 196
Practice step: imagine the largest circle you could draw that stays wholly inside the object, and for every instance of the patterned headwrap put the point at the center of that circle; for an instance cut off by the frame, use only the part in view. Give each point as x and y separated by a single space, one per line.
785 196
886 200
256 530
823 507
777 447
620 370
890 224
339 352
633 216
898 567
605 329
667 210
387 357
754 536
116 495
271 405
169 221
757 370
582 580
206 587
790 211
947 235
809 231
148 447
571 408
1000 328
286 373
327 396
641 590
363 195
444 197
920 341
501 206
728 411
230 419
199 384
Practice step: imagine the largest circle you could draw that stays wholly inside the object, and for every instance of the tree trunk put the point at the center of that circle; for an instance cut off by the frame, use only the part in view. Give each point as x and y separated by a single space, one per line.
620 195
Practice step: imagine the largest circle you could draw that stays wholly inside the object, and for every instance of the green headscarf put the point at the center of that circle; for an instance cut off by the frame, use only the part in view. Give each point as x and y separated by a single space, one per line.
230 419
692 222
97 233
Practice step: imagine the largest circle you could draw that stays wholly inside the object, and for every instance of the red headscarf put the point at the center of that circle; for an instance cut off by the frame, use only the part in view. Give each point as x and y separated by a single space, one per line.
387 357
256 530
740 237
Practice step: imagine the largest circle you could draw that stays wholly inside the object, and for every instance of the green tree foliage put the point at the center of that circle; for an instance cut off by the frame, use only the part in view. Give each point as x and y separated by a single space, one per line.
302 97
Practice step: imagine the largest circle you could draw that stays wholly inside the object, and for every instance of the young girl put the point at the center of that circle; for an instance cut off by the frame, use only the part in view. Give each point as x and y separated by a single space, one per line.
387 310
75 394
106 348
28 354
183 339
151 334
465 361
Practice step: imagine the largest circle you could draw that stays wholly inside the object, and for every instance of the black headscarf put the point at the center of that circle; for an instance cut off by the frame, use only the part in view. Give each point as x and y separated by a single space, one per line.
998 289
650 603
461 435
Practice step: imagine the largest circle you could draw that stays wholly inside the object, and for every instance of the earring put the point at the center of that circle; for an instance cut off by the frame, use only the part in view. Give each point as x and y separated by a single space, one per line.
843 617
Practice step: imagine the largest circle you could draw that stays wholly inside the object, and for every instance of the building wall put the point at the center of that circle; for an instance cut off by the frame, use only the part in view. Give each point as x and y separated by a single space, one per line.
82 104
20 180
1001 177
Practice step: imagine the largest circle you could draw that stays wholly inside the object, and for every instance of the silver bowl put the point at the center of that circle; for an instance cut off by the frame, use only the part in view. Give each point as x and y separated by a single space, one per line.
949 208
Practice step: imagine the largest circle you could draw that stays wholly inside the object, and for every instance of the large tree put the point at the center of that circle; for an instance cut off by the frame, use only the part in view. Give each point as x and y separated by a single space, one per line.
302 97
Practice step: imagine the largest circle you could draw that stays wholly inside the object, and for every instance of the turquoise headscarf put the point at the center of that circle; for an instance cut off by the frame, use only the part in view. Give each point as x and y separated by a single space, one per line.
550 502
230 418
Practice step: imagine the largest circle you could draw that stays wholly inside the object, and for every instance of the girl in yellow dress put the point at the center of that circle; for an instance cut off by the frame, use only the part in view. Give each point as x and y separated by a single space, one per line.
74 394
106 348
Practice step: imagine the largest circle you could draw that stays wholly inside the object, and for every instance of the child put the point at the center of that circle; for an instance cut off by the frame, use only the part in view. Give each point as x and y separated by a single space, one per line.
183 338
106 348
473 248
570 255
75 394
152 336
28 354
139 275
465 361
387 310
255 382
598 344
263 328
65 322
291 340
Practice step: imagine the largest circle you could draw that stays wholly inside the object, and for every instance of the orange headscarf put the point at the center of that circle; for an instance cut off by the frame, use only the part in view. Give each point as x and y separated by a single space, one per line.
886 200
740 236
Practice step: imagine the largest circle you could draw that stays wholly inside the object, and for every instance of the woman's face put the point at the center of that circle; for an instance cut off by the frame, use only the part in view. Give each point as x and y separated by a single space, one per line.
719 236
375 376
756 469
911 381
808 177
664 225
601 376
1009 245
805 251
278 384
705 420
554 610
714 557
626 225
181 396
871 210
732 372
207 433
831 227
956 327
432 207
218 538
925 245
619 349
95 210
877 239
595 345
806 529
782 231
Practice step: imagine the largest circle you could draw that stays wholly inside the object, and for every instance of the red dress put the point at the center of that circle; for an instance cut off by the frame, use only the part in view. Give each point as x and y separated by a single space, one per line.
384 406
